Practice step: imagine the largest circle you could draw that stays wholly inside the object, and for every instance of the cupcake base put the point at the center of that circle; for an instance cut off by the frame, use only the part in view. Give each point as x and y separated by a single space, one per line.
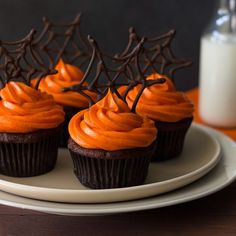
31 154
170 139
100 169
69 113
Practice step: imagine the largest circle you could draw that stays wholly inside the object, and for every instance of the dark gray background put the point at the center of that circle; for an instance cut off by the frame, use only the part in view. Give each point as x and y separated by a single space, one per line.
108 21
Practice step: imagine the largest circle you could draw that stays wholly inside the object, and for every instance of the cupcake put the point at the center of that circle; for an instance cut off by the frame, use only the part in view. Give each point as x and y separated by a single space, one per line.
171 111
30 124
68 75
65 41
111 147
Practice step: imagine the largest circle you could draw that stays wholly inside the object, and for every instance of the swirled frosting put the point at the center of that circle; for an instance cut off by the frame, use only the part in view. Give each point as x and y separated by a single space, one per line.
24 109
68 75
110 125
161 102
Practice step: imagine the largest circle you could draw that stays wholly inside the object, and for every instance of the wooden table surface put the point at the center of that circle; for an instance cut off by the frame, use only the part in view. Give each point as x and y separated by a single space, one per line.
212 215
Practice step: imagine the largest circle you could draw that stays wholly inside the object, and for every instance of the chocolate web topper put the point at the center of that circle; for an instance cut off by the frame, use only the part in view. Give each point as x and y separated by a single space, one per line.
156 54
64 41
107 72
20 60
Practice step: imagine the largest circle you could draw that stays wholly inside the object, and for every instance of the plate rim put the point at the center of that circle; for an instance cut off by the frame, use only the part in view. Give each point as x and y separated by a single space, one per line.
188 178
32 204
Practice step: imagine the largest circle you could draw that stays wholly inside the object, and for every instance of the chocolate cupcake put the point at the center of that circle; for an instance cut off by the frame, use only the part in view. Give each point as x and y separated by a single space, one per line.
172 112
111 147
30 121
170 109
72 102
30 124
69 53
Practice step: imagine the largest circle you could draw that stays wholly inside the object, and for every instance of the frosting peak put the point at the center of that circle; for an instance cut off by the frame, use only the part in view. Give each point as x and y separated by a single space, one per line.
68 73
24 92
110 125
113 103
24 109
67 76
161 102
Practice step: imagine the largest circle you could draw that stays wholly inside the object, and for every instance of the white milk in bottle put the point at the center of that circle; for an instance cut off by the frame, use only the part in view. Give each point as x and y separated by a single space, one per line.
217 77
218 82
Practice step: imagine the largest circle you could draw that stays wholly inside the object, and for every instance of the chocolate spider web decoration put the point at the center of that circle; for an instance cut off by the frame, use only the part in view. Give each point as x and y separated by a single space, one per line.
156 55
112 75
64 41
20 60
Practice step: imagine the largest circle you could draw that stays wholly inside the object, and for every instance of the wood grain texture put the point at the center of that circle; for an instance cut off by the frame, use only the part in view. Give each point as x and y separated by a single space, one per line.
212 215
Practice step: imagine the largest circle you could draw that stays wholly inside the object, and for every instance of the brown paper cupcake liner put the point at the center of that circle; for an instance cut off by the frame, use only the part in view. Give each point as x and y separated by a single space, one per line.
104 173
170 139
29 159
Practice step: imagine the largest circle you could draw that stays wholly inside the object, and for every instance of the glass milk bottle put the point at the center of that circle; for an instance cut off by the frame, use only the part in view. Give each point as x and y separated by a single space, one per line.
217 101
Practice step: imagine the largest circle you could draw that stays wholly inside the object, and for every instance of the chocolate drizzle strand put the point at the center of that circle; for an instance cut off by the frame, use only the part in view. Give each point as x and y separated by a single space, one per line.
156 54
107 72
20 60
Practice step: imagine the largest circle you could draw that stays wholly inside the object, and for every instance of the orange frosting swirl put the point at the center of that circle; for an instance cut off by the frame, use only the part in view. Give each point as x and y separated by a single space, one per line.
161 102
110 125
68 75
24 109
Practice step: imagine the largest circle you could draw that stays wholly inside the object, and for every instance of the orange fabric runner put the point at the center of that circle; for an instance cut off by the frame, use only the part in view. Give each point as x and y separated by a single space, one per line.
193 95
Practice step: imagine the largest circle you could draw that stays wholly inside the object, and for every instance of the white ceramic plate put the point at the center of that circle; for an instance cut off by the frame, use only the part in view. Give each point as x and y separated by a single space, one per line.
221 176
200 154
